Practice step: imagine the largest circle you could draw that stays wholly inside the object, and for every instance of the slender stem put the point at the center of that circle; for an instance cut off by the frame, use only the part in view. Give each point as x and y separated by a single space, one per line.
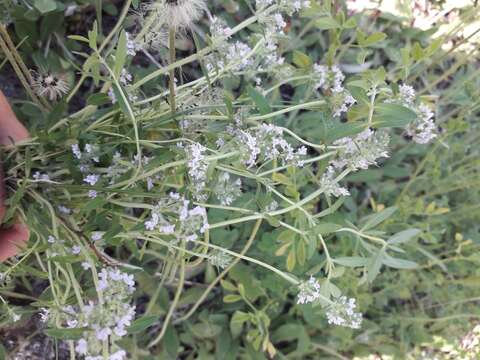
171 80
174 302
220 276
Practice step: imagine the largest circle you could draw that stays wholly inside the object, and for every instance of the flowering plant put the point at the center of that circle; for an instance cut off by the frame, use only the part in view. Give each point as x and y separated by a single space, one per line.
161 176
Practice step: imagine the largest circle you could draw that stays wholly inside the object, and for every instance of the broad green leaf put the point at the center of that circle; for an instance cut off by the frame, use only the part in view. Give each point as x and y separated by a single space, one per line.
392 115
45 6
237 321
403 236
260 101
142 323
302 60
372 39
326 23
399 263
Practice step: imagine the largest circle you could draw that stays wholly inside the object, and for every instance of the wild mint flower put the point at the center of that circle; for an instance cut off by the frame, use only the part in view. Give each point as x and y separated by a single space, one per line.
423 129
267 143
64 210
37 175
219 28
219 259
197 169
52 86
342 312
132 47
361 151
407 94
331 187
91 179
92 194
185 223
308 291
227 190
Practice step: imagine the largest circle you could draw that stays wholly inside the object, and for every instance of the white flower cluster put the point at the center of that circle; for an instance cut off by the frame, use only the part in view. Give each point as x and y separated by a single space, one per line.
197 169
308 291
88 157
330 80
330 186
361 151
219 29
267 143
227 190
358 152
219 259
290 6
105 320
423 129
185 224
342 312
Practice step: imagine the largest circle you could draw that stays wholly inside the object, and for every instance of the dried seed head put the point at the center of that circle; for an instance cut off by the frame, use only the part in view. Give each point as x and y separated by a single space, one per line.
50 85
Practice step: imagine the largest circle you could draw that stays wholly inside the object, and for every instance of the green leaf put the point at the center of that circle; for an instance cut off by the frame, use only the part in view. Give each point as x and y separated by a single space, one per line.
302 60
143 323
392 115
291 260
231 298
403 236
45 6
375 265
65 334
399 263
327 23
375 219
352 261
78 38
237 321
417 52
98 99
372 39
325 228
120 54
227 285
260 101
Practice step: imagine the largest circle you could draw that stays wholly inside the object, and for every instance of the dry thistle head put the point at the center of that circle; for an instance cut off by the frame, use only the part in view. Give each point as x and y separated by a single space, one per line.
50 85
177 14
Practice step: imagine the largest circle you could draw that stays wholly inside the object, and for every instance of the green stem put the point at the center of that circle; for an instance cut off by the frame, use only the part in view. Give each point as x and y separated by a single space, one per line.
171 80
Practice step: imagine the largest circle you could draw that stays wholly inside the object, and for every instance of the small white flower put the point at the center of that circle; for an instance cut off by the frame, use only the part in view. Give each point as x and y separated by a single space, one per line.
342 313
51 239
82 347
308 291
76 250
96 235
92 194
86 265
91 179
